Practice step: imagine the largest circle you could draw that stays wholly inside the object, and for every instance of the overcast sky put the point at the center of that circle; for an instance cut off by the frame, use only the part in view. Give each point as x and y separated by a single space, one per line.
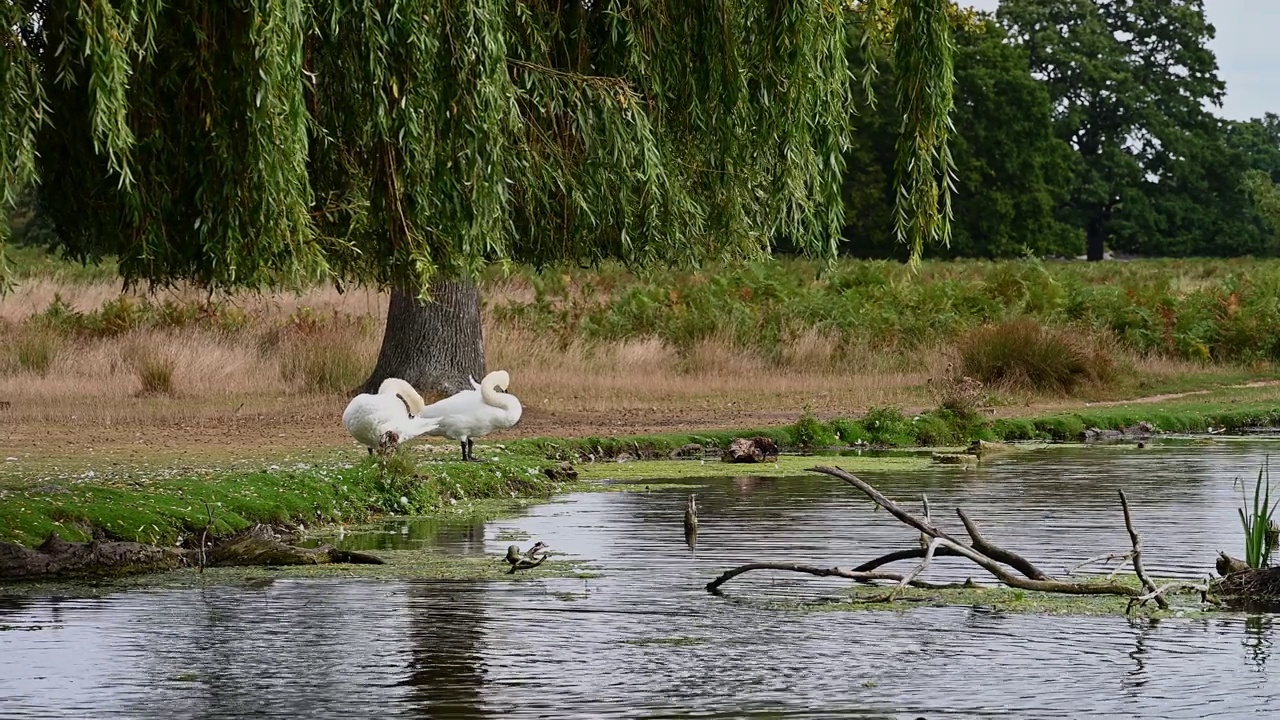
1248 50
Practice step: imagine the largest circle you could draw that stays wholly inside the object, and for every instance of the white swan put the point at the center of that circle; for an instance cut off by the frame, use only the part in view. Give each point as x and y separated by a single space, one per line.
475 413
390 417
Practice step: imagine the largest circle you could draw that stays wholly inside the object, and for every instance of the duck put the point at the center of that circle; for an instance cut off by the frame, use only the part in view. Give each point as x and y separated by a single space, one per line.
527 560
382 420
474 413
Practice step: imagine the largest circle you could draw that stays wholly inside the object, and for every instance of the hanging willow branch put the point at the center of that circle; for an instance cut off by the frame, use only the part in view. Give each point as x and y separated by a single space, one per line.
925 171
253 142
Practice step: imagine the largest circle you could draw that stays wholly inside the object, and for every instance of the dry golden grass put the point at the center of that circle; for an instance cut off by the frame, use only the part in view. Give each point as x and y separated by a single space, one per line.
280 383
647 375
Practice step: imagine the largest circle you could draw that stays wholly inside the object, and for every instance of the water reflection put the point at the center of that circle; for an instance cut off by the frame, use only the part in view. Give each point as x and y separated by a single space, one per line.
1257 640
446 632
644 639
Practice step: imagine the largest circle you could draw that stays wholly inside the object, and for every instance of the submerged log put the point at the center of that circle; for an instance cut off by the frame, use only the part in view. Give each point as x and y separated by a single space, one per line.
261 546
58 558
751 450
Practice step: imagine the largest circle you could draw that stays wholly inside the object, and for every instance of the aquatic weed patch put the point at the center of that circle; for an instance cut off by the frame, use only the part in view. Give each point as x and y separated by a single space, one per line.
992 598
399 565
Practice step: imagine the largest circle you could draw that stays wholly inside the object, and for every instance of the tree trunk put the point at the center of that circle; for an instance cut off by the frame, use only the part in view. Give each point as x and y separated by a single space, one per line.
433 346
1095 239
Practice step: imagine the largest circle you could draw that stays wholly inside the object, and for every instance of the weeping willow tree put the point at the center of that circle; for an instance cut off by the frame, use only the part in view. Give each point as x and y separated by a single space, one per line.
411 143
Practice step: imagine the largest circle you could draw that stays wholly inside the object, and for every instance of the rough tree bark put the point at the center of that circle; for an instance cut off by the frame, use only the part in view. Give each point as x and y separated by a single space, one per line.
434 346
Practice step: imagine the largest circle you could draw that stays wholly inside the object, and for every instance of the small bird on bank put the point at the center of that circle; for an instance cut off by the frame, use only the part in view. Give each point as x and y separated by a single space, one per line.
381 421
525 561
477 412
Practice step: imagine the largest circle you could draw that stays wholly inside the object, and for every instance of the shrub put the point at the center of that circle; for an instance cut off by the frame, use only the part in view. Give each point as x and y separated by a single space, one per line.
959 394
1022 354
809 432
888 426
848 431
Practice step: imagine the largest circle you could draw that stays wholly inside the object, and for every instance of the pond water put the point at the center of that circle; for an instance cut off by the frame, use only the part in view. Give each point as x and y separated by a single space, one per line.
645 640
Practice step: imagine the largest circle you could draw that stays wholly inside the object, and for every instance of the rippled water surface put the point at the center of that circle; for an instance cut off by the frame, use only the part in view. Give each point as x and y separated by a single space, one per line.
645 640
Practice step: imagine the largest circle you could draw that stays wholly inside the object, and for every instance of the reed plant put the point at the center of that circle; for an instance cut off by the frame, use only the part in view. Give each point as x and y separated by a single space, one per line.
1256 518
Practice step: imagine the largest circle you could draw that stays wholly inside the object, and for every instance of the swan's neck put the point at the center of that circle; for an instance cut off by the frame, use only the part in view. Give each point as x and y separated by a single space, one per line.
500 400
412 401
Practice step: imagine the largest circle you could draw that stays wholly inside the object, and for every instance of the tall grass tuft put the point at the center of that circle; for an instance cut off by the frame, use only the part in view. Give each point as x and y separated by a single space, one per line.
154 370
324 354
36 349
1023 355
1260 529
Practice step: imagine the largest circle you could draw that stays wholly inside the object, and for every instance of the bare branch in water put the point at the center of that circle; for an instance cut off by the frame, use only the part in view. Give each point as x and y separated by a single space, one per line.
982 552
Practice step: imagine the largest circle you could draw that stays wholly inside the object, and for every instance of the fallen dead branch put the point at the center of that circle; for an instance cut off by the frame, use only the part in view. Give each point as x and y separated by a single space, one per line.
728 575
1003 564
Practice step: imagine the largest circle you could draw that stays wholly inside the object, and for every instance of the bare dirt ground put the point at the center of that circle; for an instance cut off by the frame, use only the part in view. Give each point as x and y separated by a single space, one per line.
138 432
177 432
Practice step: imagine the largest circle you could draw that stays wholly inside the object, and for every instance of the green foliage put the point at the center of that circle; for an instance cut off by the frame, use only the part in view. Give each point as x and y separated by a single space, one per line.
1260 530
22 112
389 142
809 432
127 313
1219 311
926 79
1010 172
1129 81
888 426
1022 354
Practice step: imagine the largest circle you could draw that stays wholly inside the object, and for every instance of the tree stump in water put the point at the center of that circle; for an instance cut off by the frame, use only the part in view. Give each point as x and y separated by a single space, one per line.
751 450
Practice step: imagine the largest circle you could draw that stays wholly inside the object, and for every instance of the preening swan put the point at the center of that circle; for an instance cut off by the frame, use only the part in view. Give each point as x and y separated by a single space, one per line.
388 417
412 400
475 413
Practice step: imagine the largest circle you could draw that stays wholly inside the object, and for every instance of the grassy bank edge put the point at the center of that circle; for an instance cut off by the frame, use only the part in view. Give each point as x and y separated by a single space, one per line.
172 511
890 428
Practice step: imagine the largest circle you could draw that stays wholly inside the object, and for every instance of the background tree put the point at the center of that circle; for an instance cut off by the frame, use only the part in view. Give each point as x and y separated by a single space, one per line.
1129 79
1012 173
409 144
